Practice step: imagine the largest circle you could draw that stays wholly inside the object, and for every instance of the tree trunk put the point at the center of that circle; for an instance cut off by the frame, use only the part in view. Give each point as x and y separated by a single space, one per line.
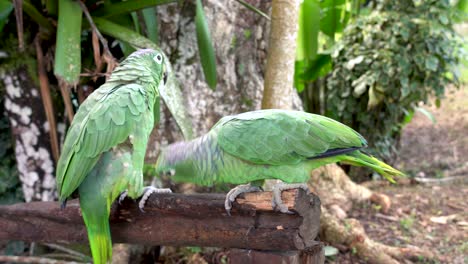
30 132
279 75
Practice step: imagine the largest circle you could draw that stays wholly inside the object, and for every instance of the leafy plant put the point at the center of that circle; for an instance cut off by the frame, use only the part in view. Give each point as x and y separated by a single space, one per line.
407 222
73 51
320 24
402 53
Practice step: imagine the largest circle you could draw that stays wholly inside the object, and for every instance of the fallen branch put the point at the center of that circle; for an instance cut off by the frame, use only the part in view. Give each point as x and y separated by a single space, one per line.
446 180
178 220
21 259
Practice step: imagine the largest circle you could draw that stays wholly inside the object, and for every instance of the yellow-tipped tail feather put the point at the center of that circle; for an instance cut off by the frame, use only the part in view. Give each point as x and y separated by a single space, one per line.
359 158
97 225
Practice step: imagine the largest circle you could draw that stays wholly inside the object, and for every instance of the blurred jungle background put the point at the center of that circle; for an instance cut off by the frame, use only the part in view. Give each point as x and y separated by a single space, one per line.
396 71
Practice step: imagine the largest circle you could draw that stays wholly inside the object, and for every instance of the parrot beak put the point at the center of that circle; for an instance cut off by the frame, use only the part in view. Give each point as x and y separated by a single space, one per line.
173 97
165 77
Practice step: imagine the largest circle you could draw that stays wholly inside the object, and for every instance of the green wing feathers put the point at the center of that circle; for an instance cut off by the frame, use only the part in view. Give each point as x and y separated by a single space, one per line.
106 119
278 137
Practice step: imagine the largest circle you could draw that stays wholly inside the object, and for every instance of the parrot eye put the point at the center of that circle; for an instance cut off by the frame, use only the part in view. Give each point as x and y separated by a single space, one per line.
158 58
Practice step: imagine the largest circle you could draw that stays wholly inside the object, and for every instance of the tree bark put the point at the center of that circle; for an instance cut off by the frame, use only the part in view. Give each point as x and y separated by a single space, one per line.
179 220
30 132
279 73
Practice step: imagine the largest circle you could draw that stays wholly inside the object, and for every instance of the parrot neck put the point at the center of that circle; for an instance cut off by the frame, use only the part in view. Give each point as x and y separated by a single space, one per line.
131 71
184 156
176 153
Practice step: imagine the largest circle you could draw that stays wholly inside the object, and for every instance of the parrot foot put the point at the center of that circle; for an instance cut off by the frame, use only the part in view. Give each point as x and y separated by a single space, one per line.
277 202
123 196
147 191
236 191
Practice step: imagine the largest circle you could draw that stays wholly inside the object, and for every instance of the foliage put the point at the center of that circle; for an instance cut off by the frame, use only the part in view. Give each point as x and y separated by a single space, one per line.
320 24
74 52
402 53
5 9
205 46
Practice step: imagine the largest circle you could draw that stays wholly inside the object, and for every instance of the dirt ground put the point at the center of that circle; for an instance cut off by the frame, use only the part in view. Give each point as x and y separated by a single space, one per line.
432 216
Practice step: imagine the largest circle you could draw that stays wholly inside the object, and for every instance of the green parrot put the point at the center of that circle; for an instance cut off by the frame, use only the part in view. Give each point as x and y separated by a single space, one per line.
267 144
103 153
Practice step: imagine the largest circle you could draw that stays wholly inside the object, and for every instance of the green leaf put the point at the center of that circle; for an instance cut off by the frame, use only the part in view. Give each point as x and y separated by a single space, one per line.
124 7
374 98
205 46
68 49
437 103
359 89
330 251
309 27
129 21
299 68
151 23
408 117
443 19
428 114
42 21
332 3
124 34
351 63
319 67
136 24
335 17
432 63
5 9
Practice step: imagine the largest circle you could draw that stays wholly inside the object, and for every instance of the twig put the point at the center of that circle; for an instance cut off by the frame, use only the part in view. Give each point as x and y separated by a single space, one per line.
68 251
108 57
442 180
386 217
19 22
21 259
94 28
92 74
65 256
47 99
64 90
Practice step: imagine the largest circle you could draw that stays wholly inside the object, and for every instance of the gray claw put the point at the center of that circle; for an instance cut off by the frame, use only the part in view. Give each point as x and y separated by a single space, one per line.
147 191
236 191
277 202
122 196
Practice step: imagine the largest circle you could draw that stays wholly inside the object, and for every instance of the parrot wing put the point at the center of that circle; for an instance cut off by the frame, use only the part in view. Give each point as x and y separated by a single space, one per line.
281 137
106 119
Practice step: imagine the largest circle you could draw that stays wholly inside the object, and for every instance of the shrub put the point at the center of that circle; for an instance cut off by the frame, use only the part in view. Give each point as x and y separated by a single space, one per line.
387 62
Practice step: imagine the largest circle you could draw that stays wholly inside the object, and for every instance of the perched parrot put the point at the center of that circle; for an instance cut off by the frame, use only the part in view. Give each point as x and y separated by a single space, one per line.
267 144
104 150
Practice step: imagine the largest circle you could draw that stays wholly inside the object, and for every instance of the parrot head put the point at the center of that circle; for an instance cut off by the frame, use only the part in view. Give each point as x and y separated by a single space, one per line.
168 87
155 60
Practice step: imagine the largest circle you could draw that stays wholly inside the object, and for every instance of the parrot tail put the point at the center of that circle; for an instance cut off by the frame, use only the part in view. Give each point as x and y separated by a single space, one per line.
96 217
359 158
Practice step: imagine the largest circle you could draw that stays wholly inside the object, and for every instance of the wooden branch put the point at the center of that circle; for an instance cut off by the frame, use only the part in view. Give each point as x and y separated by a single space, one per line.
178 220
